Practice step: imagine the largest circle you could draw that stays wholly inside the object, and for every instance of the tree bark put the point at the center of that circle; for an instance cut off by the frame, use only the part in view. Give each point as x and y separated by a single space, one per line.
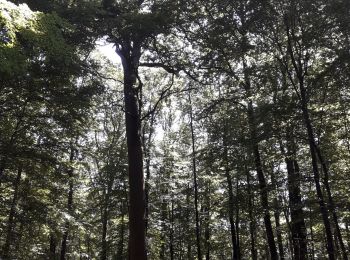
130 57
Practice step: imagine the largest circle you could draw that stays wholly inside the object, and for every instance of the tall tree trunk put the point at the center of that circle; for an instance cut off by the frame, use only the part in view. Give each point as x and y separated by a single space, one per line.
188 223
230 202
69 206
207 223
120 247
105 215
300 71
313 153
277 213
252 223
237 218
12 213
286 213
53 245
262 183
298 227
171 235
147 152
164 226
130 57
331 204
278 229
195 183
257 160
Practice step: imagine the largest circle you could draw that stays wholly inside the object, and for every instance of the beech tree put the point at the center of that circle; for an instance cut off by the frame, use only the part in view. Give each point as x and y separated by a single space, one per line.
174 130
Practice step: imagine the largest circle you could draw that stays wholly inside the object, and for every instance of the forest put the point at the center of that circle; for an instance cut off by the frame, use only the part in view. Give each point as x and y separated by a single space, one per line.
172 129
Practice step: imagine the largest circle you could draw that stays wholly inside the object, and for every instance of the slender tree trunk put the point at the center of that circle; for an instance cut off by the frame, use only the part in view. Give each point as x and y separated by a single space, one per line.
290 239
69 206
331 204
252 223
199 253
164 226
11 222
188 223
207 223
313 153
147 151
171 235
237 218
230 203
104 234
277 213
262 184
130 57
120 247
258 165
278 229
300 69
105 214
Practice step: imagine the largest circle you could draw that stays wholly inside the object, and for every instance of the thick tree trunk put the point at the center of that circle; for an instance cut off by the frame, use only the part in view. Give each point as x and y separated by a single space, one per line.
12 213
137 242
195 183
69 207
53 245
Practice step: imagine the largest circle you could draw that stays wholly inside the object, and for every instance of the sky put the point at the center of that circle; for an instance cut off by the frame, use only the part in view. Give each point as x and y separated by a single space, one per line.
108 50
